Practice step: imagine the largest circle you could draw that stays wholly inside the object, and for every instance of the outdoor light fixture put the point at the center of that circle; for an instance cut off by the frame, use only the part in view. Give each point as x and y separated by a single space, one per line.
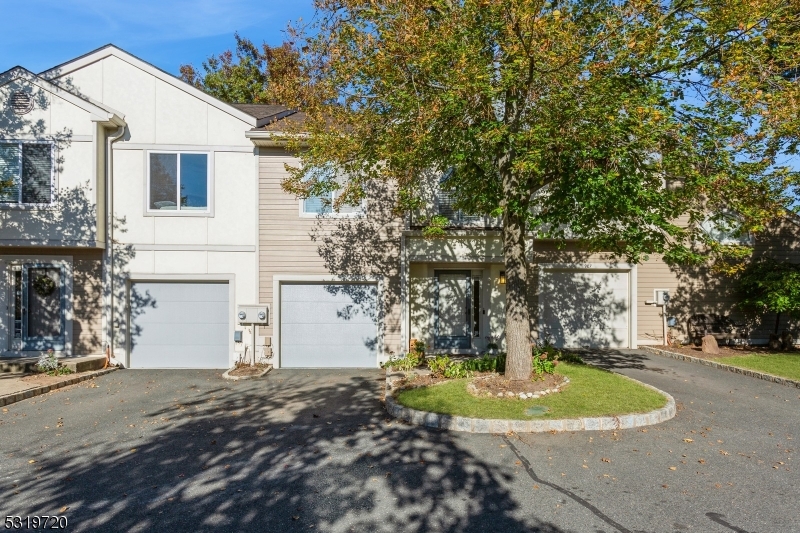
502 277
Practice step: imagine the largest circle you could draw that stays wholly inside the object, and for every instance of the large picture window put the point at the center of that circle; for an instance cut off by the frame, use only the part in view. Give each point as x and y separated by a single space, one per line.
26 172
178 181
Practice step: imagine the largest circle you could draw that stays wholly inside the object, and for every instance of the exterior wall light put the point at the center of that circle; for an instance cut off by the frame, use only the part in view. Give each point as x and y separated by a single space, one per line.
502 277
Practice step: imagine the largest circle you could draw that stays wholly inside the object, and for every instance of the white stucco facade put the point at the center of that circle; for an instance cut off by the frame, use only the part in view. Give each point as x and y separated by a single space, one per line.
165 115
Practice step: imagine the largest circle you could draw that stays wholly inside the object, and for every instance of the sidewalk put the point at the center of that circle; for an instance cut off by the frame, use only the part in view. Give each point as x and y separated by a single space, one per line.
18 387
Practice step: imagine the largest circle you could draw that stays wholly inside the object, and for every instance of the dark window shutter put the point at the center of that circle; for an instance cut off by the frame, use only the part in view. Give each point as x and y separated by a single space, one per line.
37 164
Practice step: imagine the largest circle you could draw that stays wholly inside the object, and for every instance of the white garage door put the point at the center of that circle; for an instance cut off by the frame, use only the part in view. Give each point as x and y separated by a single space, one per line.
329 326
179 325
584 308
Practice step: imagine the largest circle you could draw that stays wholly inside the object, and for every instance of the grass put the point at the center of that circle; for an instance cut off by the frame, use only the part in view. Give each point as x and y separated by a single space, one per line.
785 365
591 392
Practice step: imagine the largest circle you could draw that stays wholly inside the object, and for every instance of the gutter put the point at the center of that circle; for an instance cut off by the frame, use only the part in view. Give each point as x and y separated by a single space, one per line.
114 137
274 138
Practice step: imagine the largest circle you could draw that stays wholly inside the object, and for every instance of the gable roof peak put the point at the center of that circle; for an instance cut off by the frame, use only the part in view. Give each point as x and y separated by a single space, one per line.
112 50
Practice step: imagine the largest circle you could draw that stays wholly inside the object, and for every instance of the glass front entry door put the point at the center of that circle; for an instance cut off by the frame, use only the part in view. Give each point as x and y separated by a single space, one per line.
453 309
37 307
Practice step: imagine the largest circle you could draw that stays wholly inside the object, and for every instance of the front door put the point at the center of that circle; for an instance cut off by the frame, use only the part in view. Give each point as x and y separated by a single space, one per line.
453 309
37 308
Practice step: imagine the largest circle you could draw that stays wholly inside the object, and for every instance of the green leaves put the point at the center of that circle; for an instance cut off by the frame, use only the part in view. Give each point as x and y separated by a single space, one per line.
770 286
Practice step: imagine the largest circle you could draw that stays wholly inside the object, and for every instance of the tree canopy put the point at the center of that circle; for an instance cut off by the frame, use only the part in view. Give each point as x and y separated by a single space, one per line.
770 286
606 120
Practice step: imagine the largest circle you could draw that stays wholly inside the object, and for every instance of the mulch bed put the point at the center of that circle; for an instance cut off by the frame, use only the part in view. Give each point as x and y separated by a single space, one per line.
724 351
497 385
246 370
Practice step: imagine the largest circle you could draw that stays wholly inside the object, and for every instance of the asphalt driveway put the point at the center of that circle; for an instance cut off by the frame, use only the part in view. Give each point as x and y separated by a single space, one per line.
314 451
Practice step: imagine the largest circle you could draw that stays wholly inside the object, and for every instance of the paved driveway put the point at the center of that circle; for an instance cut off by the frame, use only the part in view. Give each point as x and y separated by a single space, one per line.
314 451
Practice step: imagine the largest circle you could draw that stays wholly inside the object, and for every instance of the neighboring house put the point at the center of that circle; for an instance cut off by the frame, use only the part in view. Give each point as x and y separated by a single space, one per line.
139 212
146 162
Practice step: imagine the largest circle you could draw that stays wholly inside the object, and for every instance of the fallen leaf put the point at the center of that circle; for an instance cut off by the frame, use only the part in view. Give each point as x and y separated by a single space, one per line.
63 509
688 440
585 466
32 461
701 461
673 468
606 460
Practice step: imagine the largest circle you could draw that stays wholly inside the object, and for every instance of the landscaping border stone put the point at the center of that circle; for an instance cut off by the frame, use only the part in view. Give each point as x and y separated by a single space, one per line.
36 391
482 425
227 375
729 368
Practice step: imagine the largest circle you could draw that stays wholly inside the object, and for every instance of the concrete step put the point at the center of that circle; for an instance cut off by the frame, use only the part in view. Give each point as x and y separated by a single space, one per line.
27 365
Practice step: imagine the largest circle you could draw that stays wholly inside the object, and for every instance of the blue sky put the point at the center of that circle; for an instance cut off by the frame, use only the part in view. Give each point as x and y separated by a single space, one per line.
39 34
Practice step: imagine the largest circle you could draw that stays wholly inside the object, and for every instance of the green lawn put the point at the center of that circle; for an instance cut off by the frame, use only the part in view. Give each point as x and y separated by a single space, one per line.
591 392
785 365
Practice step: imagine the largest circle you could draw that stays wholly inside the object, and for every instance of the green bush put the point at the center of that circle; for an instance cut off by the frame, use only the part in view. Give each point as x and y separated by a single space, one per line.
487 363
438 364
457 370
408 362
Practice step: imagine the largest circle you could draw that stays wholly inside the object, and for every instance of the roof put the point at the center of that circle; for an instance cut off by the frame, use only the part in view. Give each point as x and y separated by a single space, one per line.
110 50
99 111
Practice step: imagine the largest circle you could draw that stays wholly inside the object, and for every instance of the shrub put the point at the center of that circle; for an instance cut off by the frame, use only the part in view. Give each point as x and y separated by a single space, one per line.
457 370
48 363
438 364
408 362
487 363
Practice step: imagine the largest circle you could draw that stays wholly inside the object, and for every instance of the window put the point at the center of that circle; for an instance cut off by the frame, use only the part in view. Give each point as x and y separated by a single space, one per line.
26 170
725 229
178 181
323 205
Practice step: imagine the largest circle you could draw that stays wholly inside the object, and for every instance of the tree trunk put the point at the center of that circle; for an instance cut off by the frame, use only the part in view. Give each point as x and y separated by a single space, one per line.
777 322
518 327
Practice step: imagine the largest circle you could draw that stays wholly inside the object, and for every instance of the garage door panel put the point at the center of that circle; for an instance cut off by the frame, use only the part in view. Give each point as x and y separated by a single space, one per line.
584 308
183 325
184 292
297 335
326 312
336 293
328 325
187 312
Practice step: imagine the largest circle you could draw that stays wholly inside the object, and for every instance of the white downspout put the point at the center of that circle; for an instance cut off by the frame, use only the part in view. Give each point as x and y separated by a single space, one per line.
110 241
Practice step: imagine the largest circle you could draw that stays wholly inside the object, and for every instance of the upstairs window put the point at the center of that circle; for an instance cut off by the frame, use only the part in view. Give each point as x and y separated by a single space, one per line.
178 181
26 173
323 205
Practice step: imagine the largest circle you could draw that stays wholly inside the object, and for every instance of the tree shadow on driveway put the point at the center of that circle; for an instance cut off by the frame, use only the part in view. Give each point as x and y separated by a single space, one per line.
299 450
612 359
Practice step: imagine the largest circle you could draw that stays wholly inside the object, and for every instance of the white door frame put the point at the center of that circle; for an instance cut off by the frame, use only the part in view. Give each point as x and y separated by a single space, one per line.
186 278
628 268
323 279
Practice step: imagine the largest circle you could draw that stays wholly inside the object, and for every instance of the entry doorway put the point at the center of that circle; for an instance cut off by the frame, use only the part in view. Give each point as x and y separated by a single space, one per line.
457 309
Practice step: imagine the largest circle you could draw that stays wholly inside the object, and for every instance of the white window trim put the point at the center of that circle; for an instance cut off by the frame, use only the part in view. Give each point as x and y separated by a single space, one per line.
333 214
209 212
53 185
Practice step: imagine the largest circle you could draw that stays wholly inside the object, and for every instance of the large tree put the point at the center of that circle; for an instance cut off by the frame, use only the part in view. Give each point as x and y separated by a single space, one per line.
607 120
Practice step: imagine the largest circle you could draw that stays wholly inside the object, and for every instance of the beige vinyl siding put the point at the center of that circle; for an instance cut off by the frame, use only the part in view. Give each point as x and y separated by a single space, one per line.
87 295
286 246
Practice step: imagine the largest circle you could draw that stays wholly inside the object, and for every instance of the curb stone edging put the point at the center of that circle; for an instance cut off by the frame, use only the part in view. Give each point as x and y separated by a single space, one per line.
723 366
482 425
226 374
37 391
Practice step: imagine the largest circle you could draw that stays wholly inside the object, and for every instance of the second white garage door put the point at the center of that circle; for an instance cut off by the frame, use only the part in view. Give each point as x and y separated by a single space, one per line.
584 308
179 325
328 325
